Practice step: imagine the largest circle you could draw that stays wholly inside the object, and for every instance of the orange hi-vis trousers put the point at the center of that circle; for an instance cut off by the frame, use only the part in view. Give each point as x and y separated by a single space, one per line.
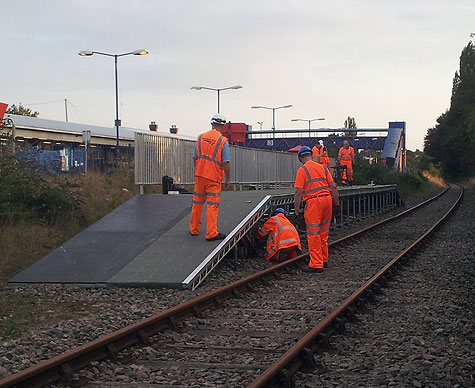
205 190
318 215
347 175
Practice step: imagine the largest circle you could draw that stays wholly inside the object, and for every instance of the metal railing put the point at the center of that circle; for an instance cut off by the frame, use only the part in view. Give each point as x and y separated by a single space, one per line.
159 155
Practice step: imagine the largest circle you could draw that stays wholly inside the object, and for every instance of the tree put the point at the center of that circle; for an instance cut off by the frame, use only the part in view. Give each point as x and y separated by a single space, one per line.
451 142
21 111
350 123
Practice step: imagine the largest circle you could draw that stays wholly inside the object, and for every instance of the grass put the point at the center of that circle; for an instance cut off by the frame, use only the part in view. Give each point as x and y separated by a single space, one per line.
27 239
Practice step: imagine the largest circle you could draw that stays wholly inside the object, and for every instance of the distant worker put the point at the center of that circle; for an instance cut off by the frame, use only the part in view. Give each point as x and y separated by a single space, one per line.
320 154
314 184
211 159
346 157
282 237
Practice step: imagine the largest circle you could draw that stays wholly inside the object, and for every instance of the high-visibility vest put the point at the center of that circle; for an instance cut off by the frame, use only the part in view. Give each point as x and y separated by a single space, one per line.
322 152
346 154
316 184
209 147
280 234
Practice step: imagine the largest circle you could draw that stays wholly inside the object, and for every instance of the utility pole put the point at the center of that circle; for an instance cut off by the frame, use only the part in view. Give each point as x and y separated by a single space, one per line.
66 108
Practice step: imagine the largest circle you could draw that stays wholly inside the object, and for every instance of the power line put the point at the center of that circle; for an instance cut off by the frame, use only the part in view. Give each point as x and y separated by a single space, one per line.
42 103
80 111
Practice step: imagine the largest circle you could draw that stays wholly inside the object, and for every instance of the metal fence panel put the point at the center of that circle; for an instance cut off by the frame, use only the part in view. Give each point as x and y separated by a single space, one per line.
157 156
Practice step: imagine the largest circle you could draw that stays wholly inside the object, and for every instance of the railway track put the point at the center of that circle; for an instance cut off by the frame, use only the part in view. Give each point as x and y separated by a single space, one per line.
229 337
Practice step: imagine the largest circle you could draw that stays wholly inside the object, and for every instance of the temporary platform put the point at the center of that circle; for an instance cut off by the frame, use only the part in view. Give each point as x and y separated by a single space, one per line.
146 241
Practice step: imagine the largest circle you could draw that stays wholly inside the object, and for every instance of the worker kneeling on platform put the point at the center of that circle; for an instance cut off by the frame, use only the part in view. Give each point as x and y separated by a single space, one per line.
211 159
315 185
283 241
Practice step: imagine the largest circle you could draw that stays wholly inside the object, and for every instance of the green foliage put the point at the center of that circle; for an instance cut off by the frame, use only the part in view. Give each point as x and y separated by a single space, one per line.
379 174
21 110
451 143
25 194
350 123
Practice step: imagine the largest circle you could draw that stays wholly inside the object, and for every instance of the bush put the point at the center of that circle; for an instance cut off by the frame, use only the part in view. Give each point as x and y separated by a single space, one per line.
26 194
379 174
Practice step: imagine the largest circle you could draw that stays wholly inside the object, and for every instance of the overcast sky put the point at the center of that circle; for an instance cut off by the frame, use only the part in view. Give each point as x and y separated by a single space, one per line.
377 61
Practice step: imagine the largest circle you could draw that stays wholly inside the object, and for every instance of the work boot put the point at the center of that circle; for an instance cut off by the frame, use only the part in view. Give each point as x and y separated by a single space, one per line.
219 236
312 270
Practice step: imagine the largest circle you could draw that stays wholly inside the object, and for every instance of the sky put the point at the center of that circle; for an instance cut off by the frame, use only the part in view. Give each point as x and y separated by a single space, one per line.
376 61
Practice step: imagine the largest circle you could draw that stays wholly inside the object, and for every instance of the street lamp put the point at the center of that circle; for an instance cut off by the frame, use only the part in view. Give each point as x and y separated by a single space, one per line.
216 89
309 121
117 121
273 113
260 124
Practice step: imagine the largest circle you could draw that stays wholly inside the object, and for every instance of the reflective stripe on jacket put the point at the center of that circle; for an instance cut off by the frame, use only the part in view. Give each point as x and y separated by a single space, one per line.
281 234
322 152
316 184
209 164
346 154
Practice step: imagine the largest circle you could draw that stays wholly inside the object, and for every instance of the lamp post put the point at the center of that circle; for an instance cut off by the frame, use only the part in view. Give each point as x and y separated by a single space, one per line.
117 121
273 113
216 89
309 121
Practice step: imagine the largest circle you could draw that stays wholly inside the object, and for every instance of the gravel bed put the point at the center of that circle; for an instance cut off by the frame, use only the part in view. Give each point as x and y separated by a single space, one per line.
116 308
231 346
420 333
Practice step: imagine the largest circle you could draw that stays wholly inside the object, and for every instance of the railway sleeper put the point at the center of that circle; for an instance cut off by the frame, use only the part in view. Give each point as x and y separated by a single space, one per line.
66 373
112 351
309 363
370 296
285 379
323 342
339 325
350 314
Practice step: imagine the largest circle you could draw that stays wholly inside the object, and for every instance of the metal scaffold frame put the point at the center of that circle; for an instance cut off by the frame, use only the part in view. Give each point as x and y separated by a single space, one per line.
382 198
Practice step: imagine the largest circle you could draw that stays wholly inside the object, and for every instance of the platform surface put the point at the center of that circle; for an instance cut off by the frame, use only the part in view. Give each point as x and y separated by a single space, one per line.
99 252
144 242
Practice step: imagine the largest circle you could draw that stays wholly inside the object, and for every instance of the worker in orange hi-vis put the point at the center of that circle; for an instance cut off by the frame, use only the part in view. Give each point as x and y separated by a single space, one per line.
346 157
211 158
282 237
320 154
314 184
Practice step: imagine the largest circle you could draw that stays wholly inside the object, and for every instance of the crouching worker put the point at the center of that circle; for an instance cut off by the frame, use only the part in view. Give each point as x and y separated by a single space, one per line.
281 237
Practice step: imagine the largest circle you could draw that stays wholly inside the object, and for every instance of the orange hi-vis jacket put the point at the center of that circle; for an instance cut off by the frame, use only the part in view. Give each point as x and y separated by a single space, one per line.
281 234
322 152
316 179
346 154
208 159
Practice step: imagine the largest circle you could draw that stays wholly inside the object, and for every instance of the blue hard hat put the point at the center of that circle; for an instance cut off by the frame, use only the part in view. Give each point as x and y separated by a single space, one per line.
304 150
280 210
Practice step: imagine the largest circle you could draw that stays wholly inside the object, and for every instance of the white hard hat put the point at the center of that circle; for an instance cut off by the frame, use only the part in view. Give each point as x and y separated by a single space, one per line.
321 142
218 119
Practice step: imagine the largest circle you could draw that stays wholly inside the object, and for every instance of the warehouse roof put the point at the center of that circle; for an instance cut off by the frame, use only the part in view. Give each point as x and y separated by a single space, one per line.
63 126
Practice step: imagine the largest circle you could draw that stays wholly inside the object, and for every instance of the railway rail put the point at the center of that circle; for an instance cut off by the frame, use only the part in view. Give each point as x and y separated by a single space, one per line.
229 336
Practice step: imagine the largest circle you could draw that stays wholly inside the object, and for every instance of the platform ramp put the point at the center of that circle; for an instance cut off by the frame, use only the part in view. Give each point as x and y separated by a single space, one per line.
179 260
146 243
